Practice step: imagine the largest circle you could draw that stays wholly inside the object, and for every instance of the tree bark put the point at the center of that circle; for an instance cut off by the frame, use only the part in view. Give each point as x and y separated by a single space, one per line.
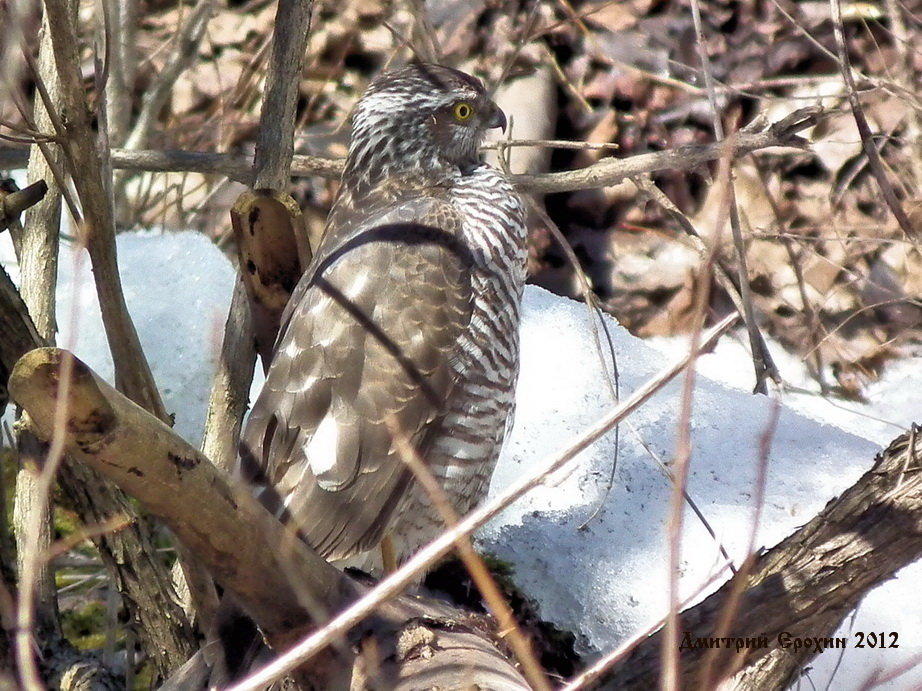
33 508
283 584
801 589
275 138
94 187
141 576
134 565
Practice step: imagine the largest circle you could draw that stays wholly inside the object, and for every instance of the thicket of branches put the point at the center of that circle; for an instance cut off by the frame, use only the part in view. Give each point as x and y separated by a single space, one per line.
133 114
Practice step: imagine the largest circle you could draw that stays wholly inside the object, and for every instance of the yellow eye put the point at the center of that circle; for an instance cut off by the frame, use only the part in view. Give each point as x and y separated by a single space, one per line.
463 111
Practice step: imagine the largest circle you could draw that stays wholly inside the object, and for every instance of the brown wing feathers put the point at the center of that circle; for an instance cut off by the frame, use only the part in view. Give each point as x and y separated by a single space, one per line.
372 337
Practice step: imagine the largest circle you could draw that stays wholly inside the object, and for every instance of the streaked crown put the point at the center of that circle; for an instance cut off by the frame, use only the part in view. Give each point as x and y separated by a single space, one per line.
423 119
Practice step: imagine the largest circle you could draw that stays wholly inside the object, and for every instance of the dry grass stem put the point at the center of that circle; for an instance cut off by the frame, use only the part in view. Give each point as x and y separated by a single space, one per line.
435 550
680 465
864 130
473 562
604 173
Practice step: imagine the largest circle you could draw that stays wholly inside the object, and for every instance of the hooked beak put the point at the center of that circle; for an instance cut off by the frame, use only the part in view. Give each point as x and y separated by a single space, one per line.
497 118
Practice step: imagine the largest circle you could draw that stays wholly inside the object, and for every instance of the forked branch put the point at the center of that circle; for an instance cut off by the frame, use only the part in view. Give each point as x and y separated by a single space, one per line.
803 587
608 171
283 584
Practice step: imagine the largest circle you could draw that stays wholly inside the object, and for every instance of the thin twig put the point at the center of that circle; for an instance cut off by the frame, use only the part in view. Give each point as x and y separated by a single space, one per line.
761 357
680 469
692 504
422 41
864 130
45 142
604 173
480 574
526 35
905 75
83 533
436 549
813 318
503 144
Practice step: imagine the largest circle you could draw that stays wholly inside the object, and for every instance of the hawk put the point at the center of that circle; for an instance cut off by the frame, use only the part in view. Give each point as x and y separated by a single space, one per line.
407 318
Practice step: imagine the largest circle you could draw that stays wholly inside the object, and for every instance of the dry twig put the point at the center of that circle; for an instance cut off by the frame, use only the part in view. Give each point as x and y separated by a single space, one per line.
864 130
473 562
132 372
604 173
761 357
436 549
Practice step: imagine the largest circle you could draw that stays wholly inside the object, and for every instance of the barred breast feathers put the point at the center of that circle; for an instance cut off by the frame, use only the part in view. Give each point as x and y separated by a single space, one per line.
408 313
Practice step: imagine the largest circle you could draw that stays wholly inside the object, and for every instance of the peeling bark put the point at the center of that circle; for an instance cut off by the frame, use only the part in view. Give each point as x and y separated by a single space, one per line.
803 587
282 584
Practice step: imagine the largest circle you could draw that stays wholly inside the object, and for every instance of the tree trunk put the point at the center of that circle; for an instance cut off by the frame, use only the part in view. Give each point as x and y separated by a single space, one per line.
281 583
795 595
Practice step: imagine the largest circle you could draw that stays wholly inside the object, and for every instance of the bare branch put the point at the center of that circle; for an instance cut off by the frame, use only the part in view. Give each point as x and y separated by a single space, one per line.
680 465
607 172
128 553
804 586
439 547
272 253
864 130
132 372
140 574
226 405
610 171
14 203
33 508
119 439
277 577
19 334
762 360
270 170
229 389
119 30
275 139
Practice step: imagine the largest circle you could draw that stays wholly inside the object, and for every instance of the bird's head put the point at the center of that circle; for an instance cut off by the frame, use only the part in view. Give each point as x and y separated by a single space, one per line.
422 118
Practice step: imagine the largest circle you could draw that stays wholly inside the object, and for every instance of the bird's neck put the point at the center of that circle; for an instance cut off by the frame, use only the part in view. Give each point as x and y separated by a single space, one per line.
378 156
363 179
